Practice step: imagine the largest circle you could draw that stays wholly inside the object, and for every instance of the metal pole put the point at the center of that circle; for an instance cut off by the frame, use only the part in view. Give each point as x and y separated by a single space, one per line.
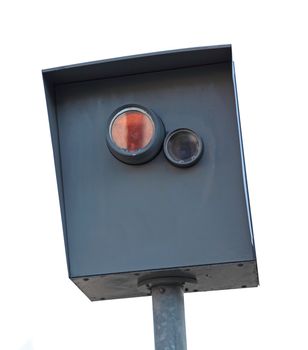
169 317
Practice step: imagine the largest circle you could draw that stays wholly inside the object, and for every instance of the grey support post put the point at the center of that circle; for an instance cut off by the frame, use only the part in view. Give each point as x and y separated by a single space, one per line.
167 291
169 317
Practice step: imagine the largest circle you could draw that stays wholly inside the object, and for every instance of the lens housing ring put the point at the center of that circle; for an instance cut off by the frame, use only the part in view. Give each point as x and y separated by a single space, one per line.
144 154
176 159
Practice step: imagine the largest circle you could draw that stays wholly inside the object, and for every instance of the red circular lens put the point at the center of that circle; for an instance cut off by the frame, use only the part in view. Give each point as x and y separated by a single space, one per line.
132 130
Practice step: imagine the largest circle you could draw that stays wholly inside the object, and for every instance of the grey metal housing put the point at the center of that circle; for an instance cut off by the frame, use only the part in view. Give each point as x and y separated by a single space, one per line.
123 222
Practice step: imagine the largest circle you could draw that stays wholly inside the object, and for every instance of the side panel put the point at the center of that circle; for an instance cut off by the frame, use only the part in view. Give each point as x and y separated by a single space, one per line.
54 131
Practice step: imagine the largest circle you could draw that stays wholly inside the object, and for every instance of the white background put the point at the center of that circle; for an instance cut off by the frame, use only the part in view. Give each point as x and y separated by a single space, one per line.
39 307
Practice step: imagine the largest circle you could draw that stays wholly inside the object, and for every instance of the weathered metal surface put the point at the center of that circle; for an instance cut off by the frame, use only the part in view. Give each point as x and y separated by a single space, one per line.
169 317
211 277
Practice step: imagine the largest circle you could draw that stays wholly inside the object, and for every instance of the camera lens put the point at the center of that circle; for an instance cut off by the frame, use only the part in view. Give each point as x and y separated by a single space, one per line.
135 134
183 147
132 130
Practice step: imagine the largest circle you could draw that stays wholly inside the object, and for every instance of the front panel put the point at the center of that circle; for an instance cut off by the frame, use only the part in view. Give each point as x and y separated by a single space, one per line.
123 218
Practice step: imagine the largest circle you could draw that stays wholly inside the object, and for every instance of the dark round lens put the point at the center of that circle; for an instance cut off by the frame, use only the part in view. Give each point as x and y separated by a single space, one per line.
183 147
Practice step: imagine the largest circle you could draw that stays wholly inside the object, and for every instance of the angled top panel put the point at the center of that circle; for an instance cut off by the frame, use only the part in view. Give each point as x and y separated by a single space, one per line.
137 64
